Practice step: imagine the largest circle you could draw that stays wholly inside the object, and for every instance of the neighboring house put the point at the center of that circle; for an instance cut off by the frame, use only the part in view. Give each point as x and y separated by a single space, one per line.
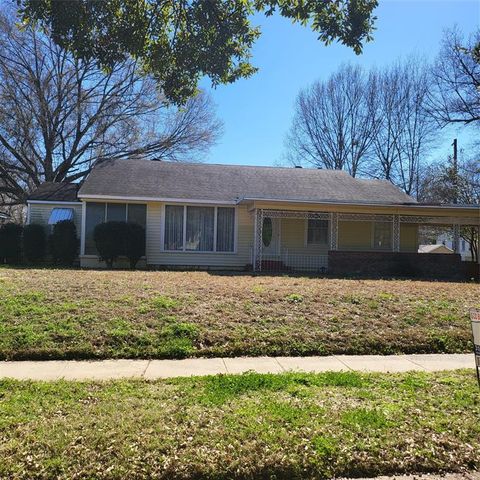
438 248
234 217
463 246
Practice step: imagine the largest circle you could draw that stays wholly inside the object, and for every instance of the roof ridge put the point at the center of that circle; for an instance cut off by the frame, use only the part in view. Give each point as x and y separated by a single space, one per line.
208 164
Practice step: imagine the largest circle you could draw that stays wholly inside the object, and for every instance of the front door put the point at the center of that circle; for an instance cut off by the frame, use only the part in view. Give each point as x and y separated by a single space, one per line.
271 236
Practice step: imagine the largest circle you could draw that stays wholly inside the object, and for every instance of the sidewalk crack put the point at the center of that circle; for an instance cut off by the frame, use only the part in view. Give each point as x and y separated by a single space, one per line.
341 361
146 368
279 364
225 365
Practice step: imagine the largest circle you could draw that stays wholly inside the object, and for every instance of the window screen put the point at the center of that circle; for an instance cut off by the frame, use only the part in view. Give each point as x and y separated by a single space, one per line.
116 212
95 214
225 229
137 214
382 236
317 232
200 229
173 227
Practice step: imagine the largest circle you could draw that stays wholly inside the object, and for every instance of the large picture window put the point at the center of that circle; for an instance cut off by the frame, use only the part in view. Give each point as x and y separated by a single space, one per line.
106 212
199 229
382 235
317 232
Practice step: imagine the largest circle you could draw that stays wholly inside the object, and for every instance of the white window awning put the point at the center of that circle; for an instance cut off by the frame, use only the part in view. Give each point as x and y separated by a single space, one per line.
59 214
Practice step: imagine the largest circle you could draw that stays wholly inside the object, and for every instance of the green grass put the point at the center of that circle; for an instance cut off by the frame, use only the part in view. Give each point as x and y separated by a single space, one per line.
49 313
287 426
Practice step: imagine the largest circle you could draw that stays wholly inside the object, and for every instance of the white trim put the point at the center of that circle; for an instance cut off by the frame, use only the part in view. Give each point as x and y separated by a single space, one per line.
82 228
51 202
215 220
183 201
162 227
28 214
359 204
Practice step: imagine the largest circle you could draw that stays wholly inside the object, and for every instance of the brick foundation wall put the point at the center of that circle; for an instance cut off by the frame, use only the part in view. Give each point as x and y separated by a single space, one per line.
397 264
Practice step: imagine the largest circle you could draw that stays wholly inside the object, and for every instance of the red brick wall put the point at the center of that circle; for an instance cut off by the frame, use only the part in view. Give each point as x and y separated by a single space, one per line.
397 264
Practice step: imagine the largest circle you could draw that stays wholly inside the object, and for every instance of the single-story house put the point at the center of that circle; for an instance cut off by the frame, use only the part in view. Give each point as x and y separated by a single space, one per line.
237 217
437 248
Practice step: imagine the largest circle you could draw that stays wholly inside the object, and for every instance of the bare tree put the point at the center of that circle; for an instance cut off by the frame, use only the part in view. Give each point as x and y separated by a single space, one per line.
441 183
60 115
335 122
455 80
405 130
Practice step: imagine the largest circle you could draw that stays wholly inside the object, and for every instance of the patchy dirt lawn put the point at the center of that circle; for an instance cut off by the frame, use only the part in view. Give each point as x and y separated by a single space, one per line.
48 313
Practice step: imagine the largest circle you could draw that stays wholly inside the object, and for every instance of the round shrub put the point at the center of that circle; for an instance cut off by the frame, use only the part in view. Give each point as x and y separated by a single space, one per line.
10 243
109 239
64 242
134 243
34 243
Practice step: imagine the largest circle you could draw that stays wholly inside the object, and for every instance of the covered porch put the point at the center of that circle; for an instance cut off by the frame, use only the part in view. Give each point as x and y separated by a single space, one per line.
365 240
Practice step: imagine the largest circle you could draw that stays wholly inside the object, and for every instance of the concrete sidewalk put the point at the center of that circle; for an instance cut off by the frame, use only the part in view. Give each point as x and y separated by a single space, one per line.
152 369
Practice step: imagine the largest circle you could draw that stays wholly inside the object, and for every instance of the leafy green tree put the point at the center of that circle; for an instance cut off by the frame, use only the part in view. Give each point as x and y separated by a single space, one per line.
178 42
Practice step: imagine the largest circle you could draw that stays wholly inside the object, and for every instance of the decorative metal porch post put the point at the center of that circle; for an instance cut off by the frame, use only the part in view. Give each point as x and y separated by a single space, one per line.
396 233
258 241
333 231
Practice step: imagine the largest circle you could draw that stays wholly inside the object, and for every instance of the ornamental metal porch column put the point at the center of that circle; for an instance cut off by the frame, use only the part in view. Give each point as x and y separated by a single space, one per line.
396 233
333 231
258 241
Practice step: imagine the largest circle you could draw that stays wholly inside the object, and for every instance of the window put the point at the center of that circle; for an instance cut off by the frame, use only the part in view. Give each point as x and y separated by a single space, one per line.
317 232
225 229
173 227
267 231
116 212
95 214
200 229
137 213
192 229
106 212
60 214
382 235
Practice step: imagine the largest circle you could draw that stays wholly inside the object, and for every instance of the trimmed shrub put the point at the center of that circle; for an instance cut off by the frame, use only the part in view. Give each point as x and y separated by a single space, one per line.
109 239
134 243
34 243
64 242
11 243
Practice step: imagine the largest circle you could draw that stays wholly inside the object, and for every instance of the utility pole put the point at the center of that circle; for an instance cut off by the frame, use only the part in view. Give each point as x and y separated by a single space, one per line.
455 171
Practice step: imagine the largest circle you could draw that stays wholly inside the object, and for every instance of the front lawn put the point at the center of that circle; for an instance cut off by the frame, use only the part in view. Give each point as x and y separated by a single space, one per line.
48 313
287 426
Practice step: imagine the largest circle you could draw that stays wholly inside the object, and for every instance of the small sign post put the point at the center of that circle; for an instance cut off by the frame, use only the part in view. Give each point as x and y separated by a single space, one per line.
475 317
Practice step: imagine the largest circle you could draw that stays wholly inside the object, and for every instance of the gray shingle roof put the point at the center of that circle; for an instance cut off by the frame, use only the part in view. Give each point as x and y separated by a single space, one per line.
55 192
231 183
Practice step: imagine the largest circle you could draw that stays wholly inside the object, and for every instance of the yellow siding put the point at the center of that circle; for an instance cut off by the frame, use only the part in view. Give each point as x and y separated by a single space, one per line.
40 213
354 235
293 238
408 237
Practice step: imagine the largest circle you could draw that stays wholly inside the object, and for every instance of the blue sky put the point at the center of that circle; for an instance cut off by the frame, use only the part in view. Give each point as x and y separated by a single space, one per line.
257 112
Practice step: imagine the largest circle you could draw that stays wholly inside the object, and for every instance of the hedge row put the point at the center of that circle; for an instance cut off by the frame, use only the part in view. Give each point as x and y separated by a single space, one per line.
30 243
